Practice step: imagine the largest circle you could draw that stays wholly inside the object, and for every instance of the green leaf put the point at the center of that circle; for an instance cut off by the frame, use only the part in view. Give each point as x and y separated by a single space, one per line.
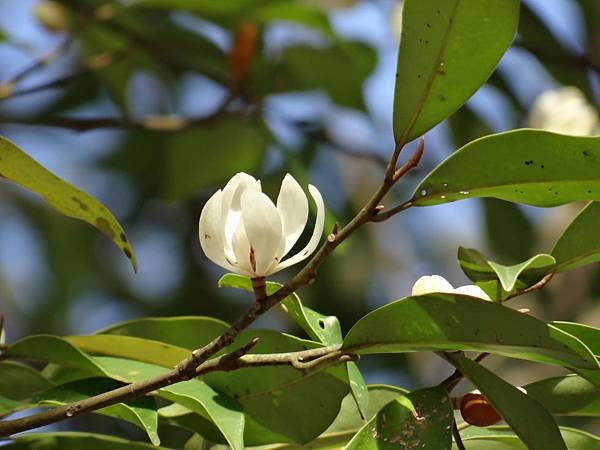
534 167
277 399
569 395
300 13
20 168
140 412
590 336
145 350
502 437
325 329
499 280
422 417
457 322
358 388
189 332
195 395
209 155
56 350
18 382
580 242
437 72
74 441
530 421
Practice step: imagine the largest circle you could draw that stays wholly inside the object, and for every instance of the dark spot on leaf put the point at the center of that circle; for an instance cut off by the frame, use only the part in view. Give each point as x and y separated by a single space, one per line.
123 237
529 162
426 41
127 252
80 203
103 225
322 323
419 76
428 25
589 191
420 41
542 166
442 97
587 154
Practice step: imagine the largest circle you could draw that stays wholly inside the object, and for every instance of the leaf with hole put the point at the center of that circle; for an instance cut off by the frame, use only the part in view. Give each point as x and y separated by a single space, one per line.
422 417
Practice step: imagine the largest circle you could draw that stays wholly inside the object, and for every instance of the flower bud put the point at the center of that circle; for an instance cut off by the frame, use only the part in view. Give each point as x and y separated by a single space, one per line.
431 284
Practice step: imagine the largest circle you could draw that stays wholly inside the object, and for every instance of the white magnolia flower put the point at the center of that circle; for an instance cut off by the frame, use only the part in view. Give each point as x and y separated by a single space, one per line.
243 231
565 111
431 284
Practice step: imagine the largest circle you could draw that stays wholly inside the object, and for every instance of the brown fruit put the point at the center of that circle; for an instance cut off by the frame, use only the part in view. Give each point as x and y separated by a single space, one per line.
477 411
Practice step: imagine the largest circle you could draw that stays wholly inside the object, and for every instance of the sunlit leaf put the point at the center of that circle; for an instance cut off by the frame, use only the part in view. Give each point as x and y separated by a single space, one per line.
141 411
533 167
437 72
456 322
20 168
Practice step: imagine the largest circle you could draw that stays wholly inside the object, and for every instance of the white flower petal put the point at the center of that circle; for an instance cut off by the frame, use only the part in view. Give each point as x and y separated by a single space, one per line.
231 209
241 250
210 230
317 232
430 284
263 229
292 205
472 290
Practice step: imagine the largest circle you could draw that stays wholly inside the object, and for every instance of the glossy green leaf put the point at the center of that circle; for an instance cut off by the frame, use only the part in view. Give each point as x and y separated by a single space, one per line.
56 350
140 412
590 336
145 350
189 332
358 388
74 441
437 72
457 322
20 168
530 421
580 242
569 395
503 438
427 419
18 382
499 280
195 395
209 155
533 167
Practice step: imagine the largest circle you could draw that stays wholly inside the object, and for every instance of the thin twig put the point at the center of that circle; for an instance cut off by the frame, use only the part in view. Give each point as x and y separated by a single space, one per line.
536 287
457 439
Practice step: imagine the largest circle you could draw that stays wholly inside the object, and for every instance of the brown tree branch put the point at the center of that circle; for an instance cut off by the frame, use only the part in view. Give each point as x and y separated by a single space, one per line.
188 368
